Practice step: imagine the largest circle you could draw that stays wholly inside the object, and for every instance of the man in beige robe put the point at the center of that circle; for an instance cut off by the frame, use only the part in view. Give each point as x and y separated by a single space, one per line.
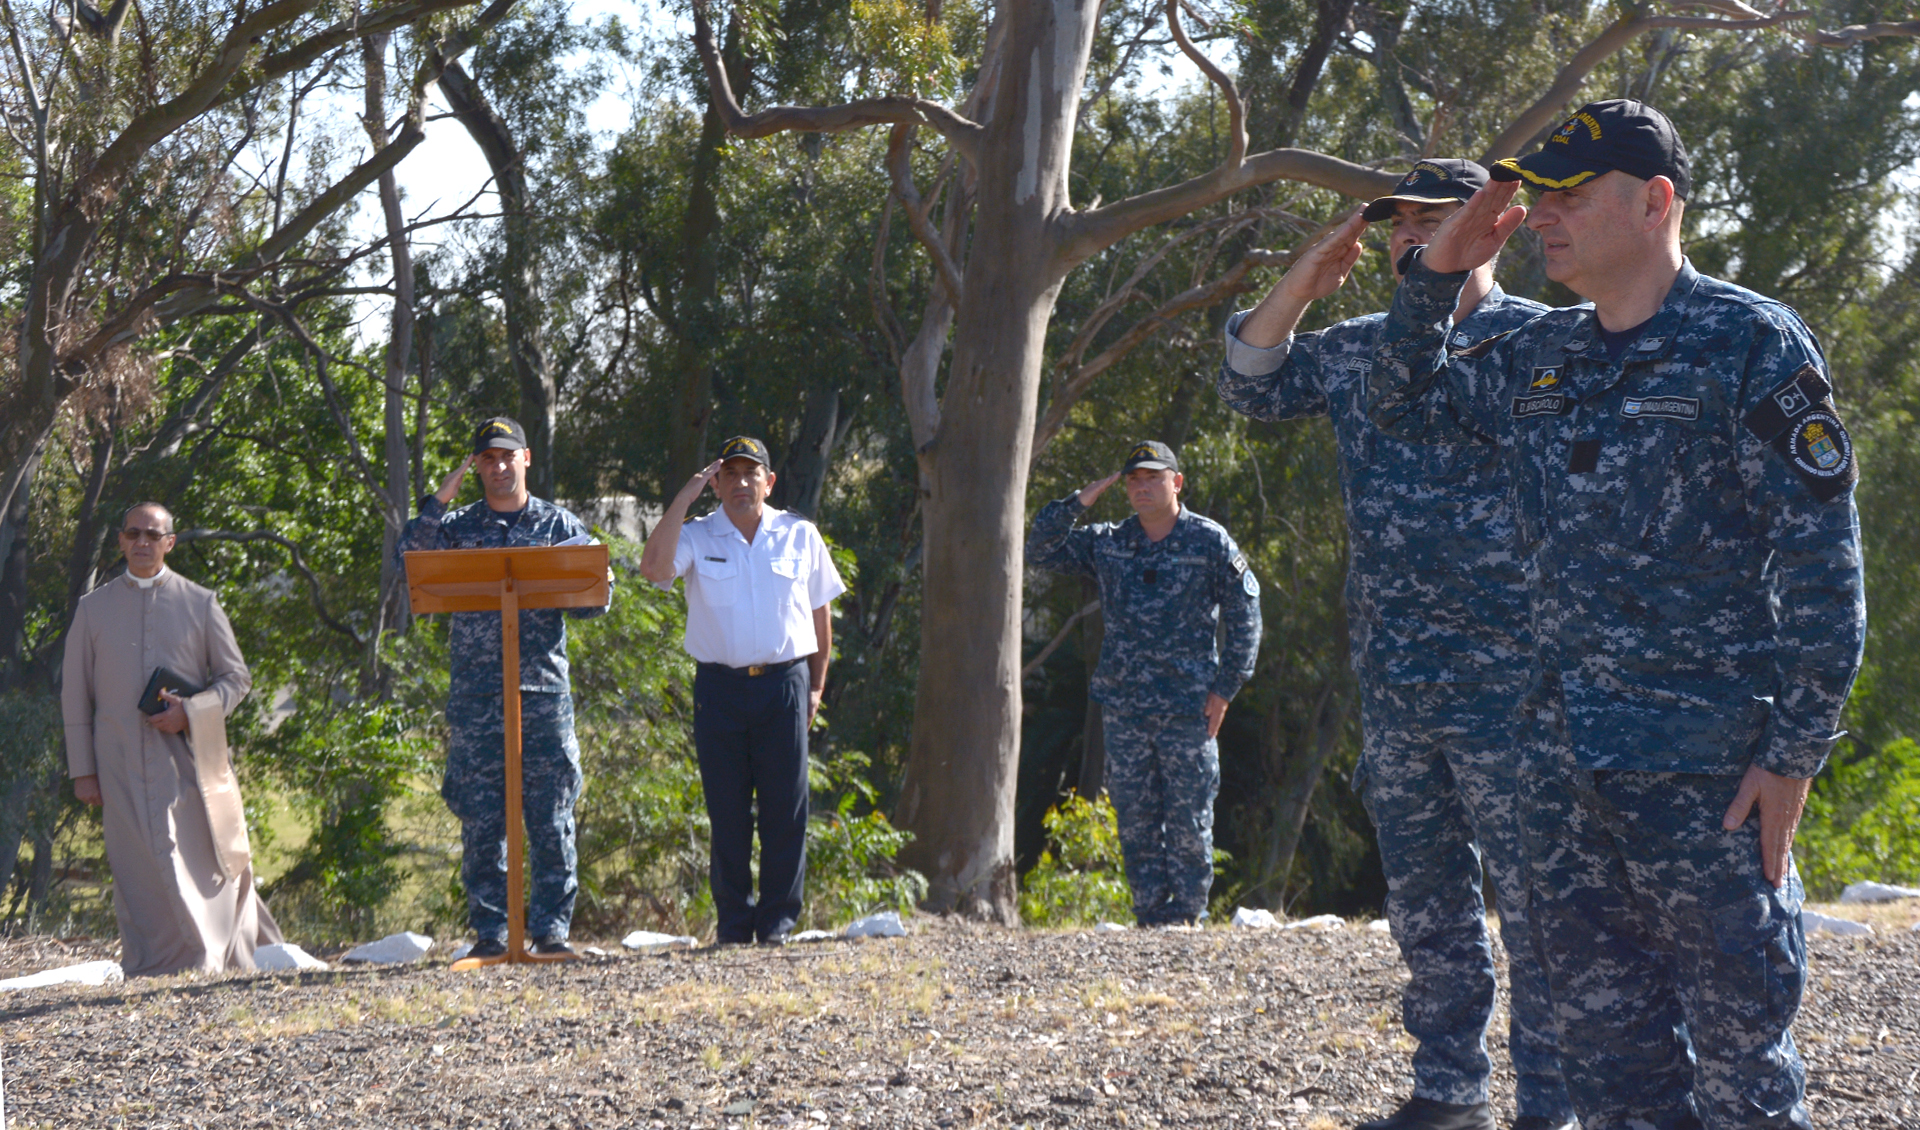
182 881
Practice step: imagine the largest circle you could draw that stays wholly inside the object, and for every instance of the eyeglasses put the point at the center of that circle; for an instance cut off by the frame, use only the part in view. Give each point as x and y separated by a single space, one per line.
132 533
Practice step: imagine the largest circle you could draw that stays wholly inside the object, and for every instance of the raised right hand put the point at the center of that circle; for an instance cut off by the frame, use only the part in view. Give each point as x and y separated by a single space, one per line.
1476 231
700 480
450 487
1323 268
1091 493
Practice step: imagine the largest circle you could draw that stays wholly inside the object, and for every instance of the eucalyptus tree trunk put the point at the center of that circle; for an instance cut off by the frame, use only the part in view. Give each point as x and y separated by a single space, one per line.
966 725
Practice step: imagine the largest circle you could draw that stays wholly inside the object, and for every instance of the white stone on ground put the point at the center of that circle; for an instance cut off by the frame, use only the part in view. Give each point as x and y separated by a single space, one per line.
1380 926
1111 927
813 936
86 973
1815 922
885 924
1254 919
1877 892
275 957
1317 922
394 949
648 940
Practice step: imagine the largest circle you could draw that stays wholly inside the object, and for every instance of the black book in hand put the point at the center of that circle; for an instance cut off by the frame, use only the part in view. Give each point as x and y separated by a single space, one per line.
165 680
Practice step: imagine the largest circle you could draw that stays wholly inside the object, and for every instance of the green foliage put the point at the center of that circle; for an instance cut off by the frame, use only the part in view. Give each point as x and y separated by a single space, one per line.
850 858
1081 878
1863 822
905 53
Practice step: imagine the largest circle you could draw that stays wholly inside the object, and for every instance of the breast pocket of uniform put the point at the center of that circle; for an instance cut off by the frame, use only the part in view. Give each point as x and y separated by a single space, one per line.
792 570
719 579
1673 473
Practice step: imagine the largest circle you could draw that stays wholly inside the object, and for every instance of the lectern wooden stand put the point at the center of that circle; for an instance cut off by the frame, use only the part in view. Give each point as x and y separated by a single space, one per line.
482 580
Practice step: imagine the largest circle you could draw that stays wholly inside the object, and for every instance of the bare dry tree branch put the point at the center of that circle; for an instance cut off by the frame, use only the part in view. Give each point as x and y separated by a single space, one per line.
1856 33
900 167
1236 106
963 134
1059 638
883 315
1069 392
1086 233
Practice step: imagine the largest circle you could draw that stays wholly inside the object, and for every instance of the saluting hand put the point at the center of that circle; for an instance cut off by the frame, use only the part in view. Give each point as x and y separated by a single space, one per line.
450 486
1091 493
1476 231
1323 268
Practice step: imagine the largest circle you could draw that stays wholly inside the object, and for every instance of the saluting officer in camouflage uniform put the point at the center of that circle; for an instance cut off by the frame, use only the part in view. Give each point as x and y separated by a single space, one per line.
475 783
1437 610
1684 508
1168 579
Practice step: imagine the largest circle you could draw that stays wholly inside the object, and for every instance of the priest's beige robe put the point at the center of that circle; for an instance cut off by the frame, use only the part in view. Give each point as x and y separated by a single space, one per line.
177 906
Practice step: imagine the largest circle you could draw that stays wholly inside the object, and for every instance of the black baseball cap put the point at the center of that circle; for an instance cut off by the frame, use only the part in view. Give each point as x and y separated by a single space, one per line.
1600 137
1153 455
501 431
745 447
1446 180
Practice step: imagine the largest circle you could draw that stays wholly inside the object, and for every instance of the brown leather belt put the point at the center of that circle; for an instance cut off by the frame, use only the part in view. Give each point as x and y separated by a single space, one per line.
752 672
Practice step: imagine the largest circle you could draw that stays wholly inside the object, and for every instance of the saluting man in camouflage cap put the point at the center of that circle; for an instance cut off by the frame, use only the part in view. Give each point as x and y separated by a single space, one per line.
1167 578
1437 615
476 776
1684 502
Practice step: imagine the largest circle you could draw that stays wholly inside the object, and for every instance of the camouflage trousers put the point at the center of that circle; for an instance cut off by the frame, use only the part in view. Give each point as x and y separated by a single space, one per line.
1439 777
475 790
1676 967
1163 772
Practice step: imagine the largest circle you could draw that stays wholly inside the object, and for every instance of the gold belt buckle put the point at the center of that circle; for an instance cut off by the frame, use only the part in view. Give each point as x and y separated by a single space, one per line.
756 671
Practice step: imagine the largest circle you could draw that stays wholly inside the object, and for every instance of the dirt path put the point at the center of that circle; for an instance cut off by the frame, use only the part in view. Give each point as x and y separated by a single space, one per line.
955 1026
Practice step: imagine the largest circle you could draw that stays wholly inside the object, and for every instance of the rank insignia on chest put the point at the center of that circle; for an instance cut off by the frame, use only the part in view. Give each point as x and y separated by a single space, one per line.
1544 376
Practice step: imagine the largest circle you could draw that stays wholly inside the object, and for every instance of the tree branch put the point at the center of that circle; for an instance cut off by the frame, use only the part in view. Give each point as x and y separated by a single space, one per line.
961 133
1236 106
1087 233
899 165
1068 392
1060 637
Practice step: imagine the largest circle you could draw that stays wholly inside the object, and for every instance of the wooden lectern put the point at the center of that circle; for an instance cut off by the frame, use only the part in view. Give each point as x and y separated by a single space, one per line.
481 580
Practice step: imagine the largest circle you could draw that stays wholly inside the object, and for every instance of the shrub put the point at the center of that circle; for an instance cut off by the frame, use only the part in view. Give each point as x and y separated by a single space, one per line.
1080 879
1863 822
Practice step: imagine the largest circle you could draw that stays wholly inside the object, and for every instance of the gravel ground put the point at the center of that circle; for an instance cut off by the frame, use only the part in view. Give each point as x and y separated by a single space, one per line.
957 1025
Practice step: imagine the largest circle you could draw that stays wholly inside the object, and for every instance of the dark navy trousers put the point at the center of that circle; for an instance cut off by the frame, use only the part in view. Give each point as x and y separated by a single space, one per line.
751 734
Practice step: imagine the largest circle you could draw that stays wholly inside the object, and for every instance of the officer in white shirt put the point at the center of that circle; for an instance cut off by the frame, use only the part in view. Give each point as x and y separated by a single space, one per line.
759 586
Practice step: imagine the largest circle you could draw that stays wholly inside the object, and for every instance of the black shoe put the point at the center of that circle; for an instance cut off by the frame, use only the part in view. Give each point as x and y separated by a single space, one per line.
733 940
1542 1122
551 945
489 947
1426 1114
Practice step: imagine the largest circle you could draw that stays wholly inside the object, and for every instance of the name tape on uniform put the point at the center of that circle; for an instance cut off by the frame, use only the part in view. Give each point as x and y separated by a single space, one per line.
1667 407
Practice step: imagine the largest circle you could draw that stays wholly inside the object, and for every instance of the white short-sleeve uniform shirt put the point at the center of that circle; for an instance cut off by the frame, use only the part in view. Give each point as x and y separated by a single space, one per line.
751 605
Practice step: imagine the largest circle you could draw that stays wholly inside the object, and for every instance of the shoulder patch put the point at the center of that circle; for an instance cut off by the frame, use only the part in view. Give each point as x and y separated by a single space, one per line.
1819 450
1249 583
1786 402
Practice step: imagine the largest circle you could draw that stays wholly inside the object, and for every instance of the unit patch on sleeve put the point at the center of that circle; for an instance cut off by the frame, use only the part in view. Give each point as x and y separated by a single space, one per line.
1798 418
1250 583
1821 453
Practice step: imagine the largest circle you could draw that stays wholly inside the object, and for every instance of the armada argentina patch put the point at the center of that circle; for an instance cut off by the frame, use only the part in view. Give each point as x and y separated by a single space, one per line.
1665 407
1544 404
1821 453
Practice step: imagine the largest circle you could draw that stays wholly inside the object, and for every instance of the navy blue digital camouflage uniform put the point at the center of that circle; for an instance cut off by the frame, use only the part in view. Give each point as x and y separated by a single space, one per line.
1437 609
1164 603
1685 515
474 786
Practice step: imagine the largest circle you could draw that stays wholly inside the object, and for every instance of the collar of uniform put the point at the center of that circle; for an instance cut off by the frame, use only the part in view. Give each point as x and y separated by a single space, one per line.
1657 339
767 516
1181 519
